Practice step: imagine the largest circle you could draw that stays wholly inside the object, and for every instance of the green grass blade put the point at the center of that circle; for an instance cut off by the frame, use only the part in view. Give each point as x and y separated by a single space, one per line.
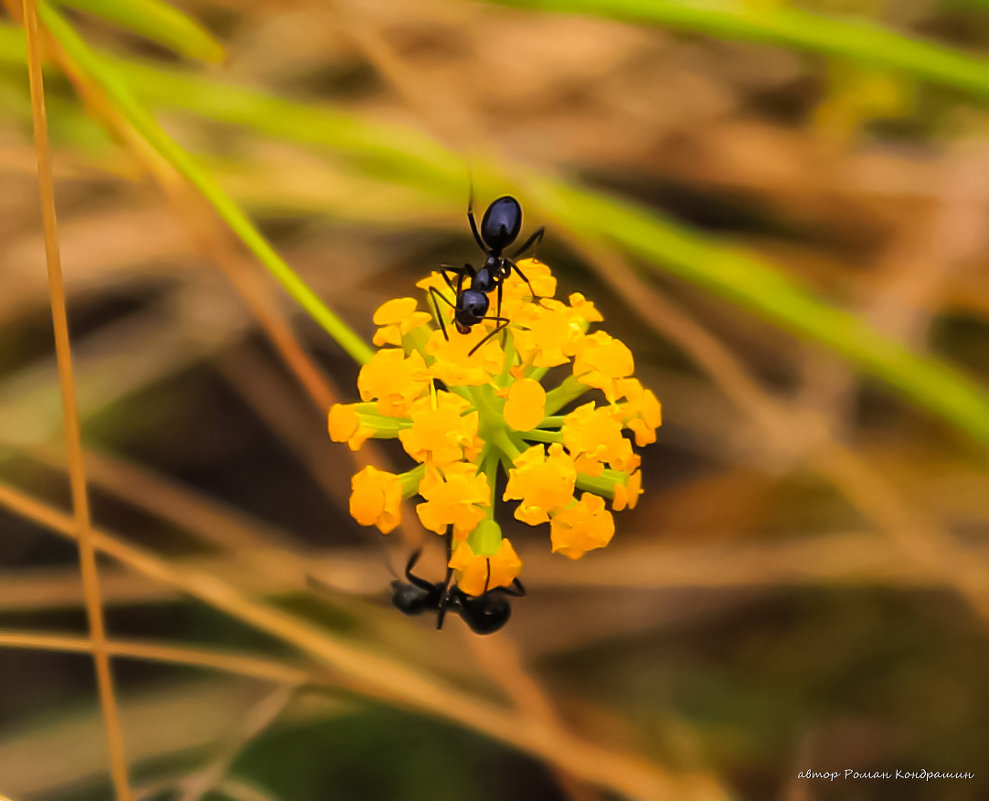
743 279
854 39
746 280
757 286
156 21
107 77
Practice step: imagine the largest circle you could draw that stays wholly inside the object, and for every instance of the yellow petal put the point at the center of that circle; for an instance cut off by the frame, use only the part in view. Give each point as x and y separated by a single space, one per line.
582 527
388 335
342 422
394 311
477 574
376 498
526 404
627 494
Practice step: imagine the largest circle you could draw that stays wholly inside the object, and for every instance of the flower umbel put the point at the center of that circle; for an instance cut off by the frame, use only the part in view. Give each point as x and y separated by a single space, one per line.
465 413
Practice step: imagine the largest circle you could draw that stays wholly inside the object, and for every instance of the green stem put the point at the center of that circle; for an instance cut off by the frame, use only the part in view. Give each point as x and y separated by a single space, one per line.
519 443
107 78
410 480
501 440
386 432
490 464
491 419
542 436
537 373
570 389
600 485
510 354
382 424
553 421
416 339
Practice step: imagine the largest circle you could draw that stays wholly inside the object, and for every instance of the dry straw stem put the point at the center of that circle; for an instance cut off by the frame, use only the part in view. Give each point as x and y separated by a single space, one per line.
841 556
850 558
802 436
82 525
160 343
86 67
744 280
215 242
198 217
238 664
170 721
368 672
501 659
263 390
259 718
240 790
795 432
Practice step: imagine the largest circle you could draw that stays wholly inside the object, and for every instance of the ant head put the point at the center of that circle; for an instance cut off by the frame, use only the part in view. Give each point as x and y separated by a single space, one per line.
501 223
486 613
412 600
471 308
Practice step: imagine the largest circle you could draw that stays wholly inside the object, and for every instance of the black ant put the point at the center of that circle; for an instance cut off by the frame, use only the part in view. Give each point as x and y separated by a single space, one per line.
485 613
500 227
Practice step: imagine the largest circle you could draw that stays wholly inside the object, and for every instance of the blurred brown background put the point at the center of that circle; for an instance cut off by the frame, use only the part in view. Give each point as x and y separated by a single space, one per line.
803 585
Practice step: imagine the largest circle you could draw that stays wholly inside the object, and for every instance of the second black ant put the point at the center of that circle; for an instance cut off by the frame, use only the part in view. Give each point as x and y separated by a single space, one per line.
484 614
500 227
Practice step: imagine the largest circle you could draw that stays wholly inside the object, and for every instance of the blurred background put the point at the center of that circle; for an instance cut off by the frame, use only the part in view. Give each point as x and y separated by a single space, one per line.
781 208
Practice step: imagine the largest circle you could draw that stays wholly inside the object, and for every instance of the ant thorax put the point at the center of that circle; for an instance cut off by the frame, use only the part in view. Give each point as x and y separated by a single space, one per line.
498 267
485 280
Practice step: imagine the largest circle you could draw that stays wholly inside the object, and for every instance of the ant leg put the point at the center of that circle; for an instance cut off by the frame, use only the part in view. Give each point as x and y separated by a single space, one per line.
500 288
435 293
445 599
473 225
504 322
531 242
532 291
421 583
460 272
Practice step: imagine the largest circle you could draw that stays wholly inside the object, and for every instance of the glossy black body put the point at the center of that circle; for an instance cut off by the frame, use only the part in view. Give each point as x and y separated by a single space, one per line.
501 224
472 307
500 227
484 614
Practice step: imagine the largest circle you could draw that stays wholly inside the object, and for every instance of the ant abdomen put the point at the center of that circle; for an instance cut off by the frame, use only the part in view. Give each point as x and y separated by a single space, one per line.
501 223
486 614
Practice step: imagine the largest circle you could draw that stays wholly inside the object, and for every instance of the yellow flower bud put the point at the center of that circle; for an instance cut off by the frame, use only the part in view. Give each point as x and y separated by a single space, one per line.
477 574
526 404
544 483
582 527
466 405
345 426
397 317
453 497
393 380
376 499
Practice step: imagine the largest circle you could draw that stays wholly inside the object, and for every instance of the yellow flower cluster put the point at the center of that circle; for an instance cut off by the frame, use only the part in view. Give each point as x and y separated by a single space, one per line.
462 416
